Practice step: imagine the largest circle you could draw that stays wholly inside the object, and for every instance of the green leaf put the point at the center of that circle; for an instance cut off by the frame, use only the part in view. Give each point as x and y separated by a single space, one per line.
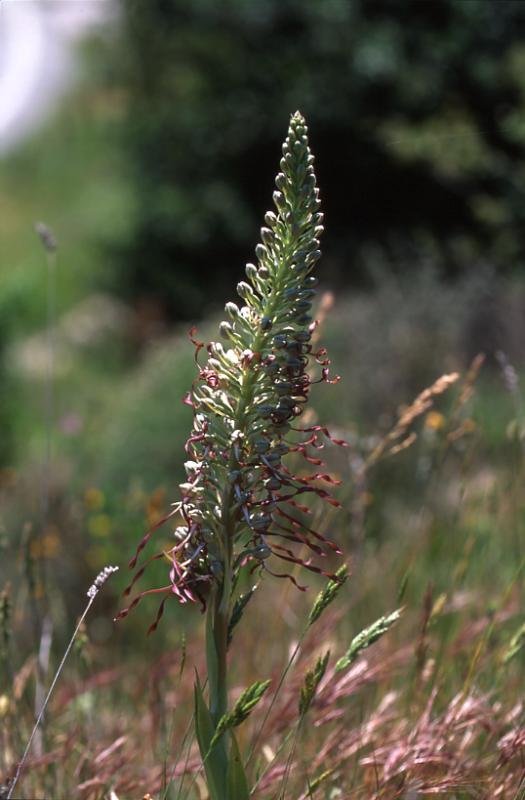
238 610
367 637
237 783
241 710
403 586
214 760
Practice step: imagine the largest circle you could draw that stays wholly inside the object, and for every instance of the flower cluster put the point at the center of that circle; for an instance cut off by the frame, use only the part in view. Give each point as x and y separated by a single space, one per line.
240 502
99 581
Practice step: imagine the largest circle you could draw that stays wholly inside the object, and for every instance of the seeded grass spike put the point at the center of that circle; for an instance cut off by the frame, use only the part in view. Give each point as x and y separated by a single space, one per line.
312 680
240 502
327 595
367 637
516 644
241 710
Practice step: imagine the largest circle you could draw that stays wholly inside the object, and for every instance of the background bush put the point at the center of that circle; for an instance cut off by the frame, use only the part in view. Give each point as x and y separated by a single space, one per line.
416 111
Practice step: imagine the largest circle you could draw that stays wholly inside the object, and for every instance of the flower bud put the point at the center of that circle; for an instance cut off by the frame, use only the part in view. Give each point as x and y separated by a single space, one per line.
283 426
225 329
285 403
278 199
244 290
260 520
262 551
262 445
303 336
283 387
302 305
267 237
280 340
232 310
304 319
271 367
312 257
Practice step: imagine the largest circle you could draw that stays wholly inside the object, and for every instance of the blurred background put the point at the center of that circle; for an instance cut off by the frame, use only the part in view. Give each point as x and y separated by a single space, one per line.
145 135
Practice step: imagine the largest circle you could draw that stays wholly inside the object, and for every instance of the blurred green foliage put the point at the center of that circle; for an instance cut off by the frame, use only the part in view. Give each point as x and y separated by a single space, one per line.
416 110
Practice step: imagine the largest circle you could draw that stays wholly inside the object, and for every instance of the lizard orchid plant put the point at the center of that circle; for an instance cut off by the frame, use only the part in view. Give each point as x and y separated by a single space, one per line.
241 506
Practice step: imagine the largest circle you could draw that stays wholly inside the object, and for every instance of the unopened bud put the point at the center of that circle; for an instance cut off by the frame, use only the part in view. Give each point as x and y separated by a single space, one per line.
267 237
232 310
278 199
225 329
262 551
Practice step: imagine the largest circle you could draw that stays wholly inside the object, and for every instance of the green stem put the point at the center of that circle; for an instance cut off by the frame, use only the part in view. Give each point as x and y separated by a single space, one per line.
220 602
218 670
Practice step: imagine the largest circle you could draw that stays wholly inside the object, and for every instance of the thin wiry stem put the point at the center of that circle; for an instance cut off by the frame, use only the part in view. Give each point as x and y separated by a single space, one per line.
186 762
274 759
45 628
291 754
275 695
92 593
181 748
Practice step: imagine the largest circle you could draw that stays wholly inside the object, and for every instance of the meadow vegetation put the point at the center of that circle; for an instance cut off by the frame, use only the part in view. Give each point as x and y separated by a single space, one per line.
432 522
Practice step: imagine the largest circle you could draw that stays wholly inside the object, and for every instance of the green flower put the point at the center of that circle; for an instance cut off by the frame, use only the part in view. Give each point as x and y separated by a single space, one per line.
239 500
